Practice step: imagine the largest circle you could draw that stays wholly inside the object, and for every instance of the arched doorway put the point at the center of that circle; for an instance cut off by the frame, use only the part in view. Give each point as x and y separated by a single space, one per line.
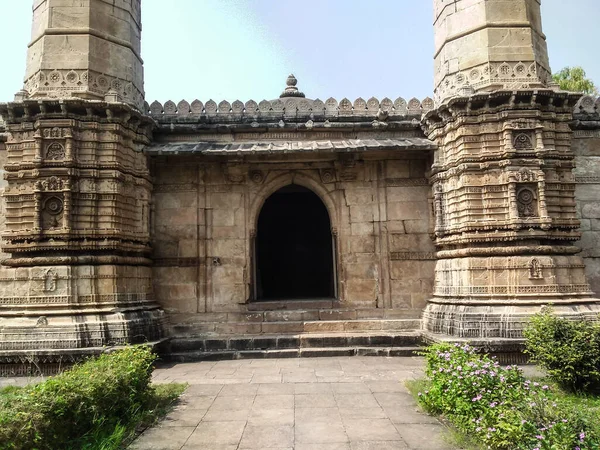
294 248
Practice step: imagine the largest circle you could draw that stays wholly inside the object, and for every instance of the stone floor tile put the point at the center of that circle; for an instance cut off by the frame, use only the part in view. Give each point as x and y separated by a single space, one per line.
260 379
312 414
321 446
319 431
371 430
300 378
216 433
325 400
203 390
160 438
233 402
226 415
184 417
210 447
423 436
379 445
386 386
363 413
196 401
271 416
261 436
394 399
356 401
273 402
408 414
350 388
275 389
311 388
237 390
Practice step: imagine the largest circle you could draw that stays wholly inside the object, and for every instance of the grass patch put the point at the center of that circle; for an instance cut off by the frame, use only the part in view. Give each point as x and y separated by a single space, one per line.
158 405
95 405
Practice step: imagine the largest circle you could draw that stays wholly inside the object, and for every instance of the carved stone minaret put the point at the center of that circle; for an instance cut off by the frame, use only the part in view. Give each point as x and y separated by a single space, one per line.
485 45
78 190
86 49
502 178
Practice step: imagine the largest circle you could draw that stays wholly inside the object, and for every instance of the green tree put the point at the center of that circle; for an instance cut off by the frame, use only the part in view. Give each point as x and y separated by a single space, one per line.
575 79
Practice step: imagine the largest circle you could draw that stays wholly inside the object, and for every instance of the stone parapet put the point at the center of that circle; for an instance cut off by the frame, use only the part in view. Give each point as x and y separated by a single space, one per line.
288 108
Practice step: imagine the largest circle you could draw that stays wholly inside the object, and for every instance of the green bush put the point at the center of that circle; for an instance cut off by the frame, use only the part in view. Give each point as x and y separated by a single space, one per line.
498 407
568 350
99 394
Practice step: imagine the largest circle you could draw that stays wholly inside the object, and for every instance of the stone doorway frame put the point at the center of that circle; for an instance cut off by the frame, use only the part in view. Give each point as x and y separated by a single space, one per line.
255 208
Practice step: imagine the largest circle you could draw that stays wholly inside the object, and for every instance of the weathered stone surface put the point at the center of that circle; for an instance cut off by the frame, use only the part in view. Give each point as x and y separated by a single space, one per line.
89 50
483 45
112 213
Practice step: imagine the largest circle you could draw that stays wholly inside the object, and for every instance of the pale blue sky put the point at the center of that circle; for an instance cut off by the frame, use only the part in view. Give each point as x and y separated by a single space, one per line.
230 49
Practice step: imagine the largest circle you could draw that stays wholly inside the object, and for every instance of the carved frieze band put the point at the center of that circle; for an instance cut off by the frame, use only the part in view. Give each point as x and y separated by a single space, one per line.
179 262
413 256
488 290
513 75
64 83
587 180
402 182
186 187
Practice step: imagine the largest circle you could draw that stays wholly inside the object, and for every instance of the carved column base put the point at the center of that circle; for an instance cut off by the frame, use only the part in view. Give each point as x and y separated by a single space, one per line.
52 315
489 301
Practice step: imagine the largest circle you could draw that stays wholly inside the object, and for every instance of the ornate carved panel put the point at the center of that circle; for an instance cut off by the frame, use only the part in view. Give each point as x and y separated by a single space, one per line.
527 200
55 151
523 140
52 211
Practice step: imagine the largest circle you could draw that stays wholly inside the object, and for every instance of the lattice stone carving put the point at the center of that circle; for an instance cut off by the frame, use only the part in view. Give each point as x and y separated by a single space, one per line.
52 211
527 201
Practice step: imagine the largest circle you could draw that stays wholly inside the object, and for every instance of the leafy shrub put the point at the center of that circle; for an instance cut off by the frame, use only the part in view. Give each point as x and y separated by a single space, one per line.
500 408
568 350
99 394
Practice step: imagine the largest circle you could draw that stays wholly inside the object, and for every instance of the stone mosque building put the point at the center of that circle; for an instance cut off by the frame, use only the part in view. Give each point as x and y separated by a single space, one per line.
294 226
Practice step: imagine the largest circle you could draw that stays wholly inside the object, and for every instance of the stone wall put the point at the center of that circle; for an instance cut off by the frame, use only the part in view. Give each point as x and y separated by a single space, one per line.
205 214
586 145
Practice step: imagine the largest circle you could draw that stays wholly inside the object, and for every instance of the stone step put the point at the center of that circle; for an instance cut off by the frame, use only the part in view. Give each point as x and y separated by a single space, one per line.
300 342
293 353
297 315
293 327
273 305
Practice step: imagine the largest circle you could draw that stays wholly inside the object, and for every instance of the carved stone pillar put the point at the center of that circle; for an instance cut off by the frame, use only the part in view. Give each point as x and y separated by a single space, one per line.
73 285
509 217
78 189
485 45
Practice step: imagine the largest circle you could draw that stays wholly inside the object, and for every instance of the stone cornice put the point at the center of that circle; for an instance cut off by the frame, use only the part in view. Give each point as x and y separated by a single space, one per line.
498 102
30 110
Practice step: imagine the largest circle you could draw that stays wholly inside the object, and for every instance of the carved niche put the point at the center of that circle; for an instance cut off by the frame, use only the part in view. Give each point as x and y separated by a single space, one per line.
52 211
55 151
523 140
535 270
527 201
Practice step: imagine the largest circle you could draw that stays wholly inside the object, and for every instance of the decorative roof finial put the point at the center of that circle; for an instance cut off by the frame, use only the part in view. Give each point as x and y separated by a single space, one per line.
291 90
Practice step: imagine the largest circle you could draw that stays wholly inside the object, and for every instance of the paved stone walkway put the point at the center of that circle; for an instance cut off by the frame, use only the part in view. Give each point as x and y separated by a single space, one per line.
348 403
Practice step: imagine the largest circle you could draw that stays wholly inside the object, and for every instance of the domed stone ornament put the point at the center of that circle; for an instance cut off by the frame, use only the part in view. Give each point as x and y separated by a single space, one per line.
291 90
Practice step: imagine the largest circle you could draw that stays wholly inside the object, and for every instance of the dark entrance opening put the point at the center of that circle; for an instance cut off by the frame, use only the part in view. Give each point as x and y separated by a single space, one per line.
294 247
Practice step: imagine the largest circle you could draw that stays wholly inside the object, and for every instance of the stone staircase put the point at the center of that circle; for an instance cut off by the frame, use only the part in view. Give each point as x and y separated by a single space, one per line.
293 329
